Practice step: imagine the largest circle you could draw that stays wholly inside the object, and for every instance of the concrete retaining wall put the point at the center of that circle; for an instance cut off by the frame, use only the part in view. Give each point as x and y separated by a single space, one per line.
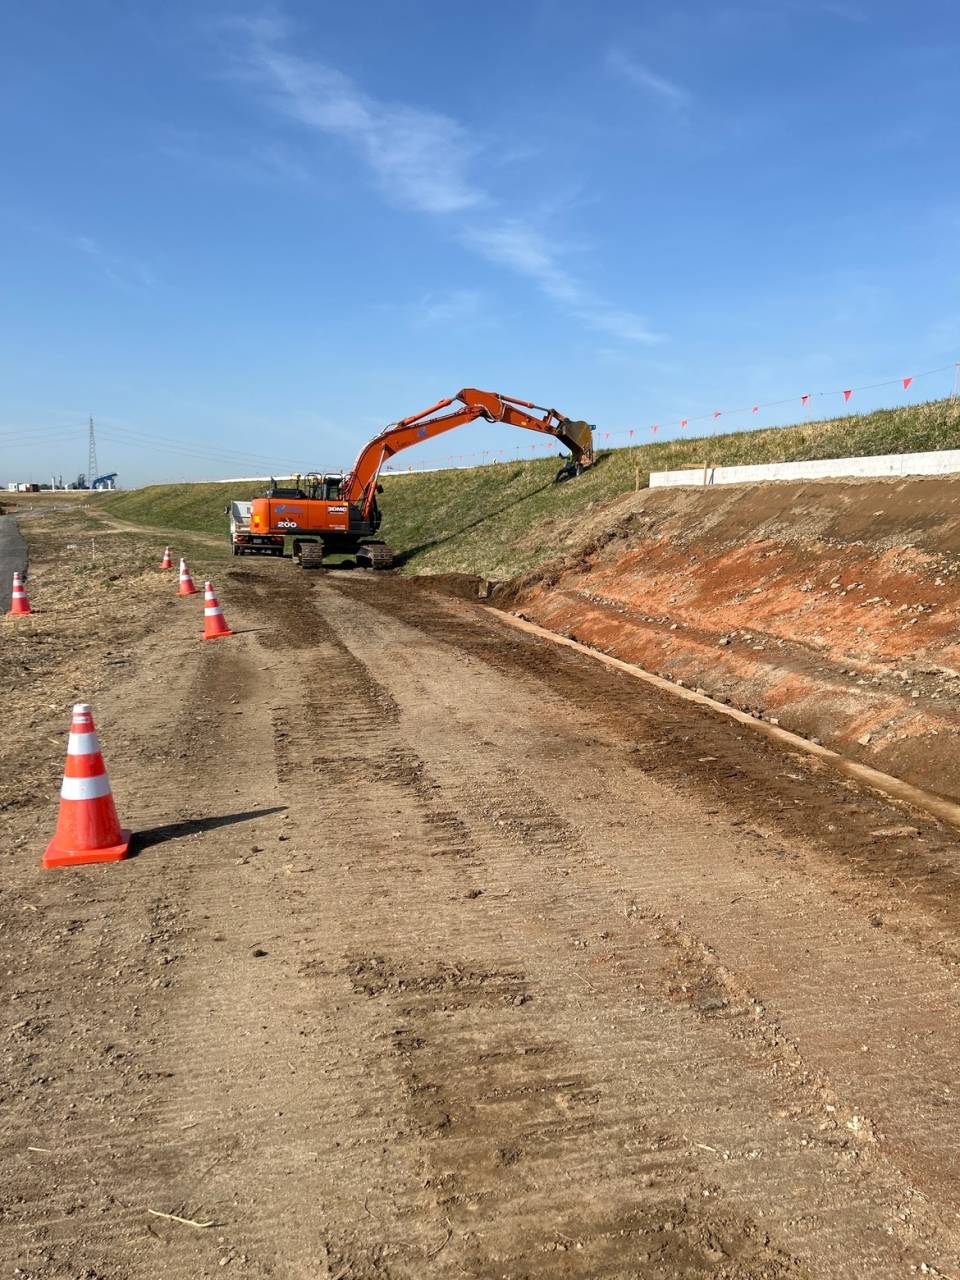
939 462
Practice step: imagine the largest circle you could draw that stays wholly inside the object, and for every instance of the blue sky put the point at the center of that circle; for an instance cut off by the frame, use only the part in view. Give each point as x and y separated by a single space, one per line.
247 237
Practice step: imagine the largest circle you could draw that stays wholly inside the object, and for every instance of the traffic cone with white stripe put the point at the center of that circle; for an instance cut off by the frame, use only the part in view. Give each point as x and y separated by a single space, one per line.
214 623
87 829
19 604
166 562
186 582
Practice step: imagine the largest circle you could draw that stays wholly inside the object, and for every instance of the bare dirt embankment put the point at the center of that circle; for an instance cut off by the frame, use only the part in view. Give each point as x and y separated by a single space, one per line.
831 608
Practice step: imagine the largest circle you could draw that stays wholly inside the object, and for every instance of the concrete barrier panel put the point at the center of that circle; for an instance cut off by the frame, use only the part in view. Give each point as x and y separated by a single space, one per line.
938 462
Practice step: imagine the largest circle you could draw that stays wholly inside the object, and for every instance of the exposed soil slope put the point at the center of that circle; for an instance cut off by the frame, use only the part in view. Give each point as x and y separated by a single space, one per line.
833 608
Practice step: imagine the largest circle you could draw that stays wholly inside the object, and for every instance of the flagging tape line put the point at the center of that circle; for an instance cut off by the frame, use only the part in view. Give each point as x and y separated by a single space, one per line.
804 400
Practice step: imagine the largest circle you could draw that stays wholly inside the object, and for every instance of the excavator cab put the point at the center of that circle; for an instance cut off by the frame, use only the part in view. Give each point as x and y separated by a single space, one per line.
325 486
285 491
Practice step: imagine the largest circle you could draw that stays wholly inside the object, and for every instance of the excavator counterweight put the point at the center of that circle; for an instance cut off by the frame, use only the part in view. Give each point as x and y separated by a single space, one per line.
317 519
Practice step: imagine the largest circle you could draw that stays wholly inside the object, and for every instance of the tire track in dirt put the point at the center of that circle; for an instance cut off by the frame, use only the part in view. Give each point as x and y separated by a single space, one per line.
121 1105
475 1080
422 975
906 865
701 871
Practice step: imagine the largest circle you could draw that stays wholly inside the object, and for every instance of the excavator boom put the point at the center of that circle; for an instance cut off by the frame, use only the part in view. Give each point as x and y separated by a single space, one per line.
361 484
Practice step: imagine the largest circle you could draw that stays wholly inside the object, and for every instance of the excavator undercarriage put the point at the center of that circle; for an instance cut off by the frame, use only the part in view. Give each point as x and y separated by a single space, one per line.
374 555
368 555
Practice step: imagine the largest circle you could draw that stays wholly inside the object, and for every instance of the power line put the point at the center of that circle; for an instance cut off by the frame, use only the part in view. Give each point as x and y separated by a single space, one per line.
134 435
163 447
129 437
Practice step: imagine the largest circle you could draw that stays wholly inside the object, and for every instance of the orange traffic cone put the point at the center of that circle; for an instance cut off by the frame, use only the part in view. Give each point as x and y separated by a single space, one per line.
19 604
214 623
166 562
186 582
87 829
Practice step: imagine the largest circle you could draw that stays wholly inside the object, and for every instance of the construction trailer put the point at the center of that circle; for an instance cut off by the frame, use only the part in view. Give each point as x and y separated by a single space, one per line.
243 541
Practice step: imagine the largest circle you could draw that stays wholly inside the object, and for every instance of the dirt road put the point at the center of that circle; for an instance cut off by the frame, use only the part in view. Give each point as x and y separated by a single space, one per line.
447 953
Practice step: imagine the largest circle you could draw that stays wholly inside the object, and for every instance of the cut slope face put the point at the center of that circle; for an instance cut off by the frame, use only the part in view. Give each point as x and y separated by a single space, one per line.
832 608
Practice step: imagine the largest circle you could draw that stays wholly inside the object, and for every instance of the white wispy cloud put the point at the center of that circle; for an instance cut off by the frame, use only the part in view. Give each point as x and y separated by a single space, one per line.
641 76
256 161
418 157
421 161
523 249
117 268
446 308
515 244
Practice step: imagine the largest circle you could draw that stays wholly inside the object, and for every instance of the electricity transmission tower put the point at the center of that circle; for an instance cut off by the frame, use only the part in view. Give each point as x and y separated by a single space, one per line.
92 470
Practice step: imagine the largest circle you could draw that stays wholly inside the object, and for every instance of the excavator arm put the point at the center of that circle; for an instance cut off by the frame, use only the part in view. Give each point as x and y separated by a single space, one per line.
360 486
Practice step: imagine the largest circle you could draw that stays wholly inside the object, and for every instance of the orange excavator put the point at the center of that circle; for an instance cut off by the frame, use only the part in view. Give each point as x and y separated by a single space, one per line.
340 514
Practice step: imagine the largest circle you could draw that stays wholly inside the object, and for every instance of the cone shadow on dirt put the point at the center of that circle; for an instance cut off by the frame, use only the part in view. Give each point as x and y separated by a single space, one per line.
193 826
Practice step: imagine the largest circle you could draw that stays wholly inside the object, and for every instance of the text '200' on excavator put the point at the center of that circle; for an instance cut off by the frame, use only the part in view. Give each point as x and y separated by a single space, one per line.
340 514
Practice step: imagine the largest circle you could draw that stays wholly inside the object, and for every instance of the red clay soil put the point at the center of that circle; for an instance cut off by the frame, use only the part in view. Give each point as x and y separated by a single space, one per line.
830 608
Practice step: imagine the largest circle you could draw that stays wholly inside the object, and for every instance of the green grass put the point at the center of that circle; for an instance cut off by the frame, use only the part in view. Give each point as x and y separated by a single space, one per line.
194 507
502 519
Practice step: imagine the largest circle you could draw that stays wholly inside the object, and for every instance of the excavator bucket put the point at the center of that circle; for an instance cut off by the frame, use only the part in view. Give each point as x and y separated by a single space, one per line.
578 437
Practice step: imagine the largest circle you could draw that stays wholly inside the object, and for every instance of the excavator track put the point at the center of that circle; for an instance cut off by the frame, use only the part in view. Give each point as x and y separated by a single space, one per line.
311 555
374 555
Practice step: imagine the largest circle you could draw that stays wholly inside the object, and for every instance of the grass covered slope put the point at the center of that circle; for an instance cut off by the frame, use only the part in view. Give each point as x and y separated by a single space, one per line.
194 507
502 519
